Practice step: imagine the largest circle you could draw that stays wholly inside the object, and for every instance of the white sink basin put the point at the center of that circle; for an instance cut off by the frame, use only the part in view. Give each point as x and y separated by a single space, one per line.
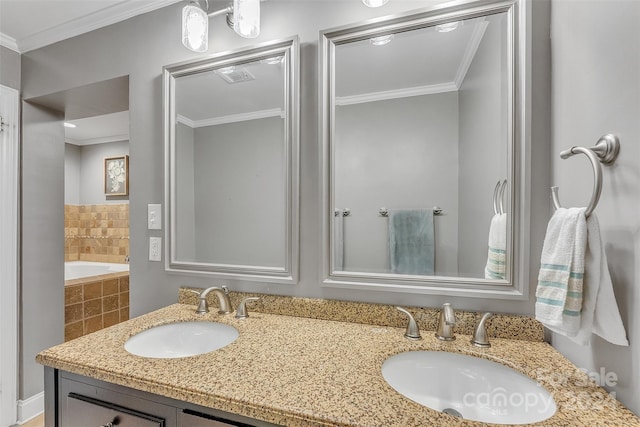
181 339
466 386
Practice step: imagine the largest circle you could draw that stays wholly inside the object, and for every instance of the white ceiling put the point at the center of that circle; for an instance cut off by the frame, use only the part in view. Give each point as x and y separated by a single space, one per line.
99 129
30 24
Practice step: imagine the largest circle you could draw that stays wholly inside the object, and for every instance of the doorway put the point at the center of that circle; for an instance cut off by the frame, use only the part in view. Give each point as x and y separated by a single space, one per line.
9 226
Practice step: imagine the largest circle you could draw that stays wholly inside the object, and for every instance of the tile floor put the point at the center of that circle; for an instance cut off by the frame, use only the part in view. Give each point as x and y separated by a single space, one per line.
36 422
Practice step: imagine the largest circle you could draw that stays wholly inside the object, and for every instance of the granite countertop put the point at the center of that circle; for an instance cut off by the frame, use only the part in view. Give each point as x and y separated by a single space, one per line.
297 371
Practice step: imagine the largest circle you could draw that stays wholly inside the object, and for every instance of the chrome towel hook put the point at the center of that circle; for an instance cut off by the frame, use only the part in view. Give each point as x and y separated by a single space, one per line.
605 151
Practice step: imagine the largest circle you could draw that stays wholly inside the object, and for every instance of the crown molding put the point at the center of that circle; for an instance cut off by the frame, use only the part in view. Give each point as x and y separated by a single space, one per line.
254 115
110 15
470 52
94 141
8 42
398 93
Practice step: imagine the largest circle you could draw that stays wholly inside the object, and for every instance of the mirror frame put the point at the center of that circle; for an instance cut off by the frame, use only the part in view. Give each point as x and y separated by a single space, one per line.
288 47
516 285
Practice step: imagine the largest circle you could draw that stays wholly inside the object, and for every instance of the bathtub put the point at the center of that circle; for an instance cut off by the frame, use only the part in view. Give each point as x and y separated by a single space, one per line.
96 296
80 269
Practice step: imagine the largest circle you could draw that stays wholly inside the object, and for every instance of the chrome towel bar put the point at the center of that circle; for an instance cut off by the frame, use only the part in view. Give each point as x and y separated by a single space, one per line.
605 151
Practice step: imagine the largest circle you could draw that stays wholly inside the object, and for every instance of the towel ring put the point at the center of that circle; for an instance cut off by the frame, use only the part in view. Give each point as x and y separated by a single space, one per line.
498 197
605 151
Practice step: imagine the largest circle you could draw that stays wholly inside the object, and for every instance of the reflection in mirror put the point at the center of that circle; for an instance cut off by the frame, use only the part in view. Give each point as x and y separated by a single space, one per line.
233 164
420 130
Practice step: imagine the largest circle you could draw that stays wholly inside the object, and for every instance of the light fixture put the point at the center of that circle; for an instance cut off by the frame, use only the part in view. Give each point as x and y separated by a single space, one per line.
381 40
445 28
246 18
375 3
69 125
195 27
243 16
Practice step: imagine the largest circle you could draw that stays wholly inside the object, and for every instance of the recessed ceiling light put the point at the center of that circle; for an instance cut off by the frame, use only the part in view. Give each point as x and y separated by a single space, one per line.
69 125
226 70
381 40
275 60
445 28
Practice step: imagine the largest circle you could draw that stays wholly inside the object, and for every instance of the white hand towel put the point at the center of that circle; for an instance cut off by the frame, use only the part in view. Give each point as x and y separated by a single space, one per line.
495 268
560 282
600 313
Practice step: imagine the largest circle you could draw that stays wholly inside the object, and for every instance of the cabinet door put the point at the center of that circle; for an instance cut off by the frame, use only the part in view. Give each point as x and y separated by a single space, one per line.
188 418
88 412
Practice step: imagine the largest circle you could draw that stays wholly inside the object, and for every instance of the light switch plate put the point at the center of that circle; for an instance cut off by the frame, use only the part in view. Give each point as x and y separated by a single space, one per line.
155 248
154 216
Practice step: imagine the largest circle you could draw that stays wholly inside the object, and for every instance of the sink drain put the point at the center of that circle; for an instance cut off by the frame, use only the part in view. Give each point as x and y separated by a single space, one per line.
452 412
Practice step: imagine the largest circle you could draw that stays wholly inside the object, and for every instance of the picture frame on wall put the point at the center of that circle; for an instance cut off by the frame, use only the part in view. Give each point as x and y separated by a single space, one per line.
116 176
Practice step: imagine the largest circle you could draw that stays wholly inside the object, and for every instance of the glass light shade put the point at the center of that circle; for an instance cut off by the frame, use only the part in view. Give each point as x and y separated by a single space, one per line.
246 18
195 28
375 3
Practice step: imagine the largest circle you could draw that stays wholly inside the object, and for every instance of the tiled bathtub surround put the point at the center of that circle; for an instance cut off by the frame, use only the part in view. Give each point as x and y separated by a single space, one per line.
91 304
499 326
96 232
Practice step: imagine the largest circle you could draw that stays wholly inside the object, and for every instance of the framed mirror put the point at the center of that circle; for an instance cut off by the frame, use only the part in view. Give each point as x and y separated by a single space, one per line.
232 164
424 129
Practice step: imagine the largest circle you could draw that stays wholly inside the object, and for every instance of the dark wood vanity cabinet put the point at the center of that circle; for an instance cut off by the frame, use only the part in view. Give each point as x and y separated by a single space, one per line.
73 400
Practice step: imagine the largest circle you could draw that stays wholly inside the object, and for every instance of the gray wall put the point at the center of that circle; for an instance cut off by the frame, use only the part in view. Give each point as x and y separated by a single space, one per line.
239 193
140 46
185 204
596 90
42 240
483 148
71 174
9 68
399 154
84 168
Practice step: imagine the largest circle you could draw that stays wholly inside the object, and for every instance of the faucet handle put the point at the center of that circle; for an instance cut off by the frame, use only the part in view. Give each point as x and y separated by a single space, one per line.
480 336
412 332
241 312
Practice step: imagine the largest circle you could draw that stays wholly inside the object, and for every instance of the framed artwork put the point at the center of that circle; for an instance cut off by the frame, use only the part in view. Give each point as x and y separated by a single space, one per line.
116 176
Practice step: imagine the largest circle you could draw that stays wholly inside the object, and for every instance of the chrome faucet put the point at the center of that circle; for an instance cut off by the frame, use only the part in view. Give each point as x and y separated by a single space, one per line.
241 311
480 336
412 332
223 300
446 322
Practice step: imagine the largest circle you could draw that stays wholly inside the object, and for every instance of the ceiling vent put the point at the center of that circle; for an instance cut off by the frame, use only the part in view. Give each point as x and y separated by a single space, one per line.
237 75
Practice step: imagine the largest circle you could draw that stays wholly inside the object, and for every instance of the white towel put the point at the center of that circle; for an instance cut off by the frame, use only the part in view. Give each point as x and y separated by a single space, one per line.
496 254
599 312
560 280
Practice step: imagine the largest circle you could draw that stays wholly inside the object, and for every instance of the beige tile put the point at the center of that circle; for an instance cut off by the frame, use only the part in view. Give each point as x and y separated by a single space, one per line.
124 314
110 303
92 324
124 299
72 294
92 308
92 290
73 313
73 330
110 287
111 318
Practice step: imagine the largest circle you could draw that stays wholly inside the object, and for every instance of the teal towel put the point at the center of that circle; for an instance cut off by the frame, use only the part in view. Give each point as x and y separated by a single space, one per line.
411 242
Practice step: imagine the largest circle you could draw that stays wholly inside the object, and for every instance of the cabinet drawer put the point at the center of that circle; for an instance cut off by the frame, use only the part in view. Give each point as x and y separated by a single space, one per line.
88 412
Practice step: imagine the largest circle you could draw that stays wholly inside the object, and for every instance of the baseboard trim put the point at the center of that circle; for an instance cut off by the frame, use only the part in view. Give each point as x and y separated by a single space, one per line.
30 408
